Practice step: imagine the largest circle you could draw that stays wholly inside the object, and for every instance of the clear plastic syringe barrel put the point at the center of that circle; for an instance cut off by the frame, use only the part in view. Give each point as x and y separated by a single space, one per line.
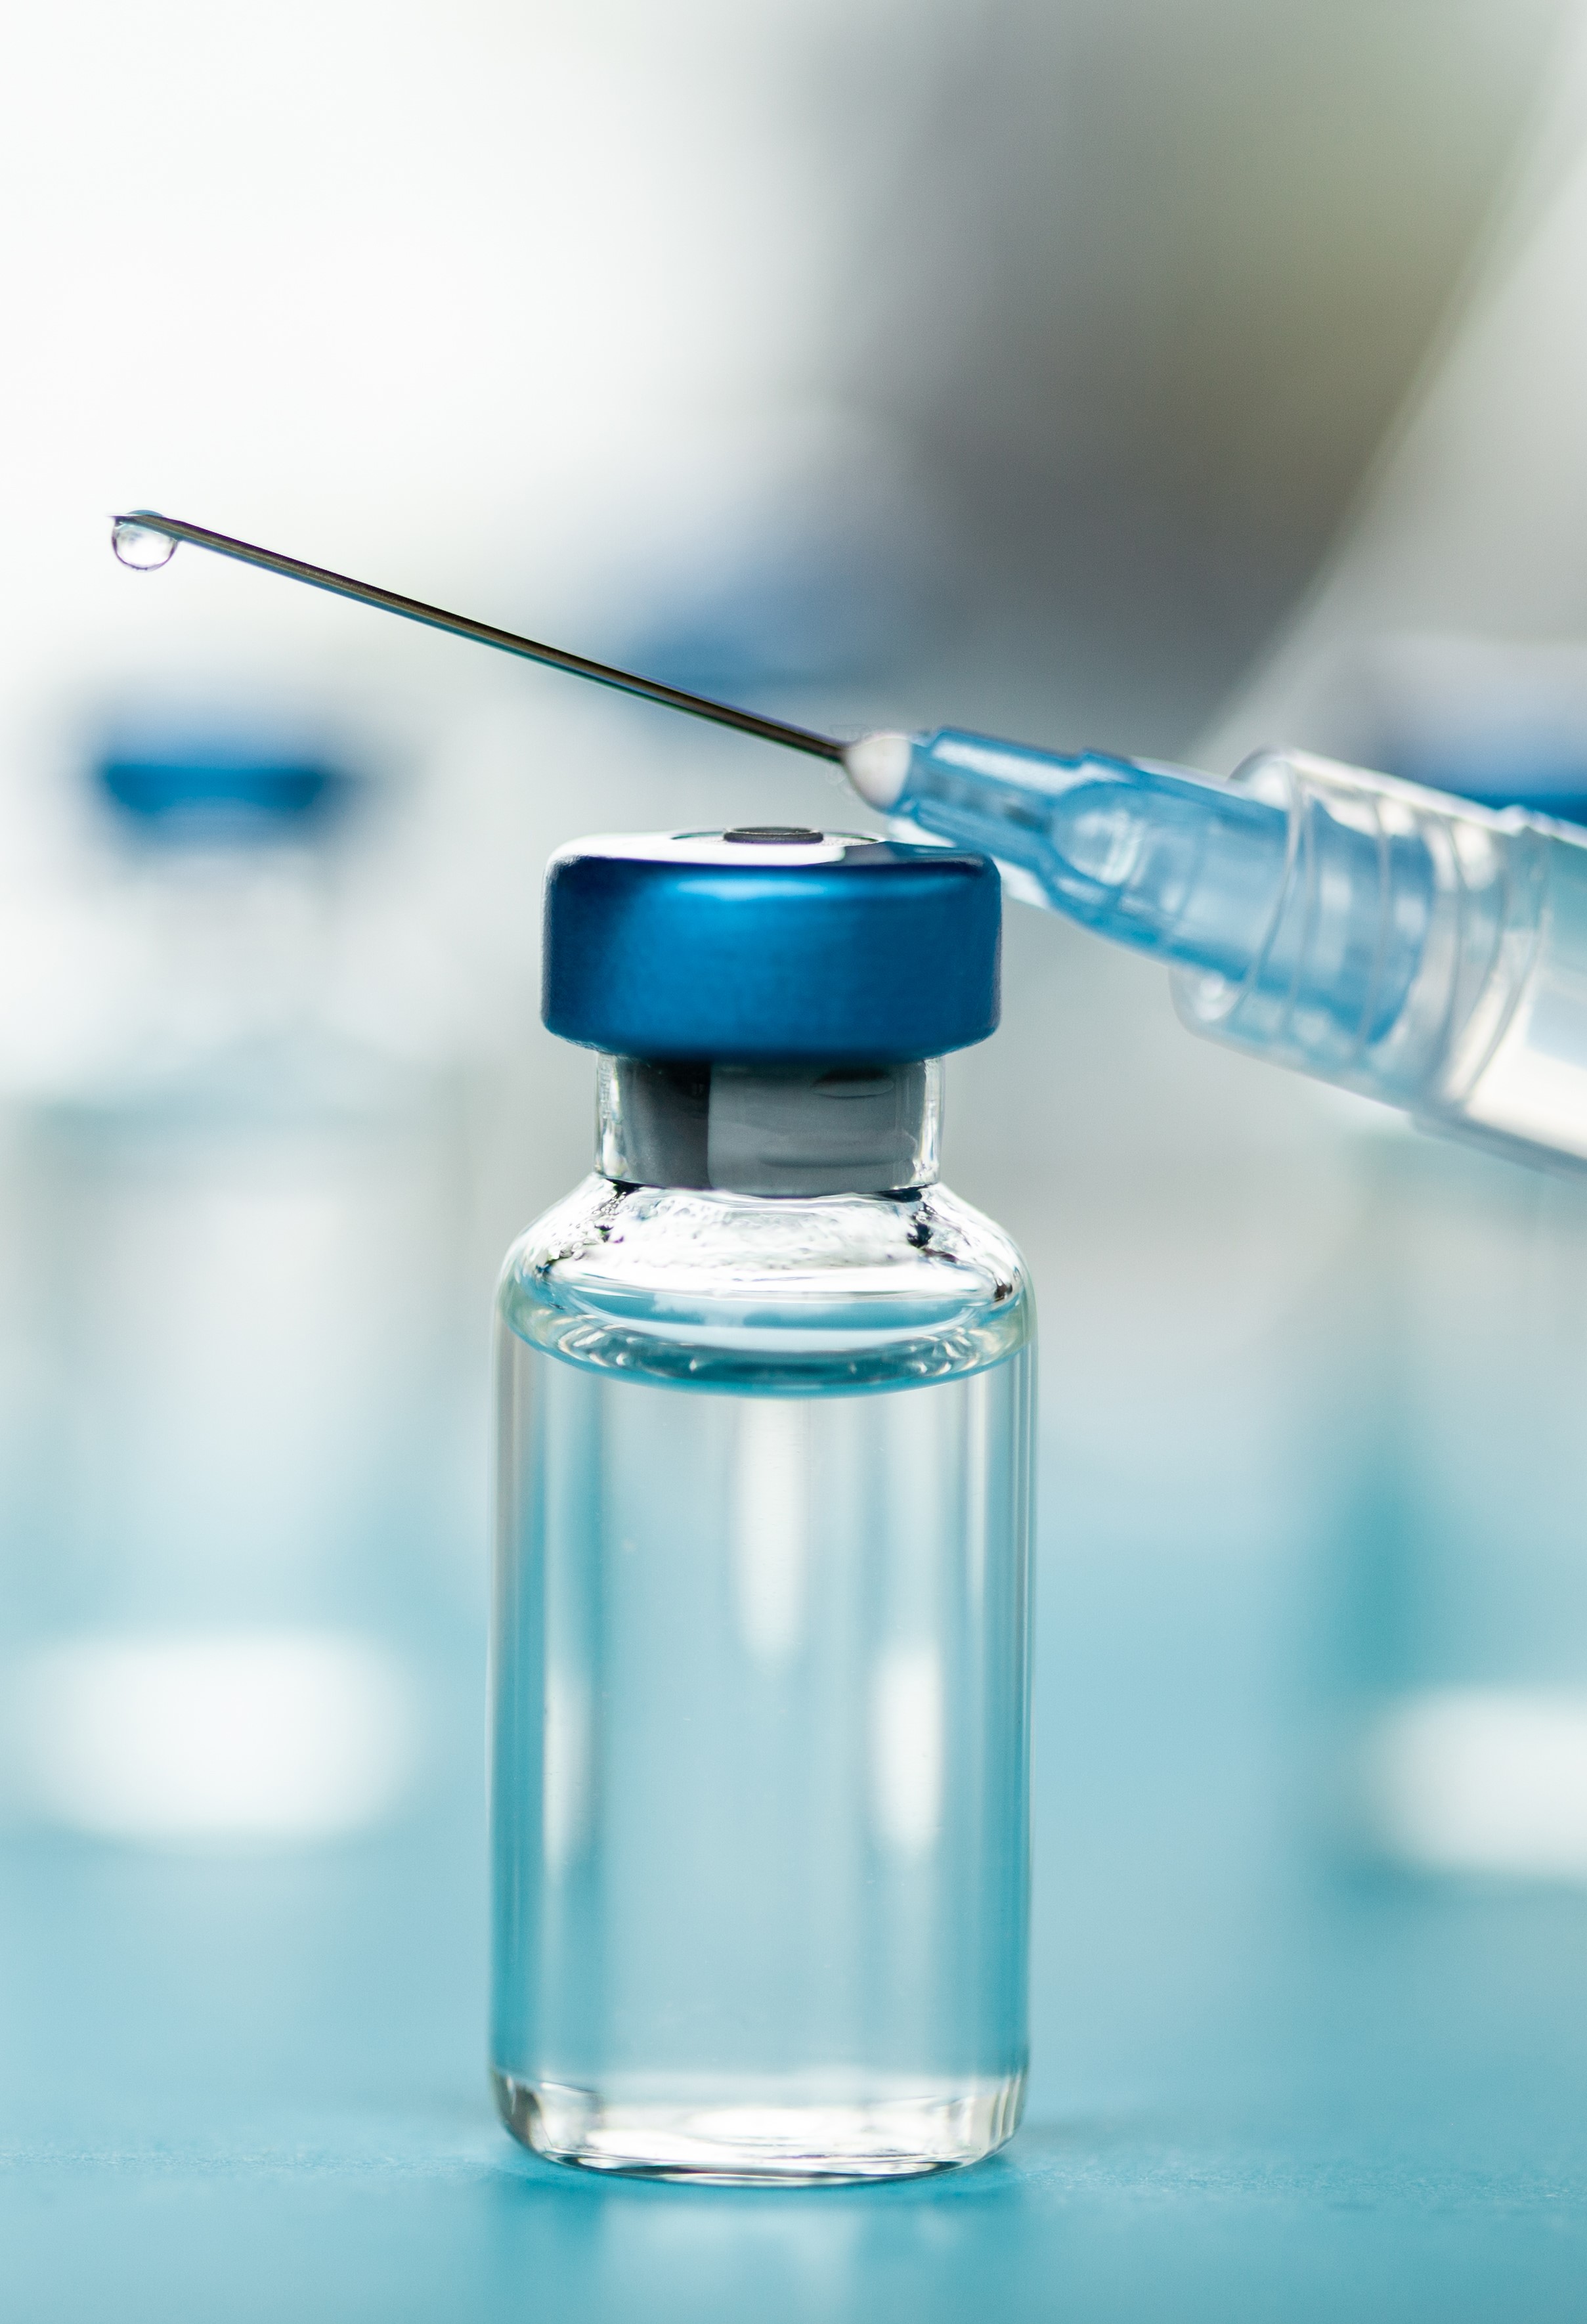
1394 940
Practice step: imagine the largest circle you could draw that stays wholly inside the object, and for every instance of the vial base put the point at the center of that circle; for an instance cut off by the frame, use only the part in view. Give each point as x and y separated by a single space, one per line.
748 2140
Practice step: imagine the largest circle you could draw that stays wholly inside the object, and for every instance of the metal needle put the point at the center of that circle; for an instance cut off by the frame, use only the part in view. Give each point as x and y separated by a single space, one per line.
485 633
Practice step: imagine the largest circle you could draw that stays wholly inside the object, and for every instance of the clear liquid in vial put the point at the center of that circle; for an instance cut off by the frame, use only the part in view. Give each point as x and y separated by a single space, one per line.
761 1772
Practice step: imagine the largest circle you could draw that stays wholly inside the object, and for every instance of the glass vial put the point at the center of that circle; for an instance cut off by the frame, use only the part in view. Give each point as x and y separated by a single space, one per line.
759 1687
231 1614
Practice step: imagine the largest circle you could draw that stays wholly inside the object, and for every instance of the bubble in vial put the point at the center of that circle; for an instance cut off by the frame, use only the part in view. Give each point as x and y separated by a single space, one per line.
140 546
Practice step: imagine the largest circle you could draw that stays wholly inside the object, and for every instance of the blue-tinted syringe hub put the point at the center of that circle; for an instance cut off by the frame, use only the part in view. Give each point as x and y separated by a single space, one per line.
1395 940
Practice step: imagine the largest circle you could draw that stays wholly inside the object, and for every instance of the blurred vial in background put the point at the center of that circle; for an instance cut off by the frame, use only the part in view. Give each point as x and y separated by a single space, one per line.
1463 1524
230 1610
1461 1532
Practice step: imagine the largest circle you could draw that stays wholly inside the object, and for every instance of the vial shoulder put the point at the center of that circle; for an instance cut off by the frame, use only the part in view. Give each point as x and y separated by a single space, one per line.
706 1288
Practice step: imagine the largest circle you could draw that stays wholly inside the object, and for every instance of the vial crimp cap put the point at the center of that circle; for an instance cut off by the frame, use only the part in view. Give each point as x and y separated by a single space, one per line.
771 943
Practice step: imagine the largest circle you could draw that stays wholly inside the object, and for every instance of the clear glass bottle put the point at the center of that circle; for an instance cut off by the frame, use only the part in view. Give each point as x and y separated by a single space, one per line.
760 1690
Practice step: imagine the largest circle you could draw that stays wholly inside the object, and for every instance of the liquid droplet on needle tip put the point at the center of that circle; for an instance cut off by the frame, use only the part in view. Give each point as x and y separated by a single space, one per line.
140 546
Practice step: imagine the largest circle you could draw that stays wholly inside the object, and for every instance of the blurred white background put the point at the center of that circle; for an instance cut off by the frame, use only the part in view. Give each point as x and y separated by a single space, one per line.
975 362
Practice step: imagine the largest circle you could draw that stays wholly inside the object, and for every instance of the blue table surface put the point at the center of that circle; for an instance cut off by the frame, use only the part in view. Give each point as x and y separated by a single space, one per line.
1266 2085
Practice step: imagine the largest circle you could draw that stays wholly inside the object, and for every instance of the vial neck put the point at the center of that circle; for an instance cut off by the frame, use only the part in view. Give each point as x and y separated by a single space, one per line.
769 1130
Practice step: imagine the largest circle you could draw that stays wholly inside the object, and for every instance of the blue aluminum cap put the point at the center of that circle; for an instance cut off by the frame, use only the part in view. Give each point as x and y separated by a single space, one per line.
771 943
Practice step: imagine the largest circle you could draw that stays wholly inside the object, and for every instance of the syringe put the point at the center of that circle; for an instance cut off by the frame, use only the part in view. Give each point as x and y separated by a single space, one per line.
1397 941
